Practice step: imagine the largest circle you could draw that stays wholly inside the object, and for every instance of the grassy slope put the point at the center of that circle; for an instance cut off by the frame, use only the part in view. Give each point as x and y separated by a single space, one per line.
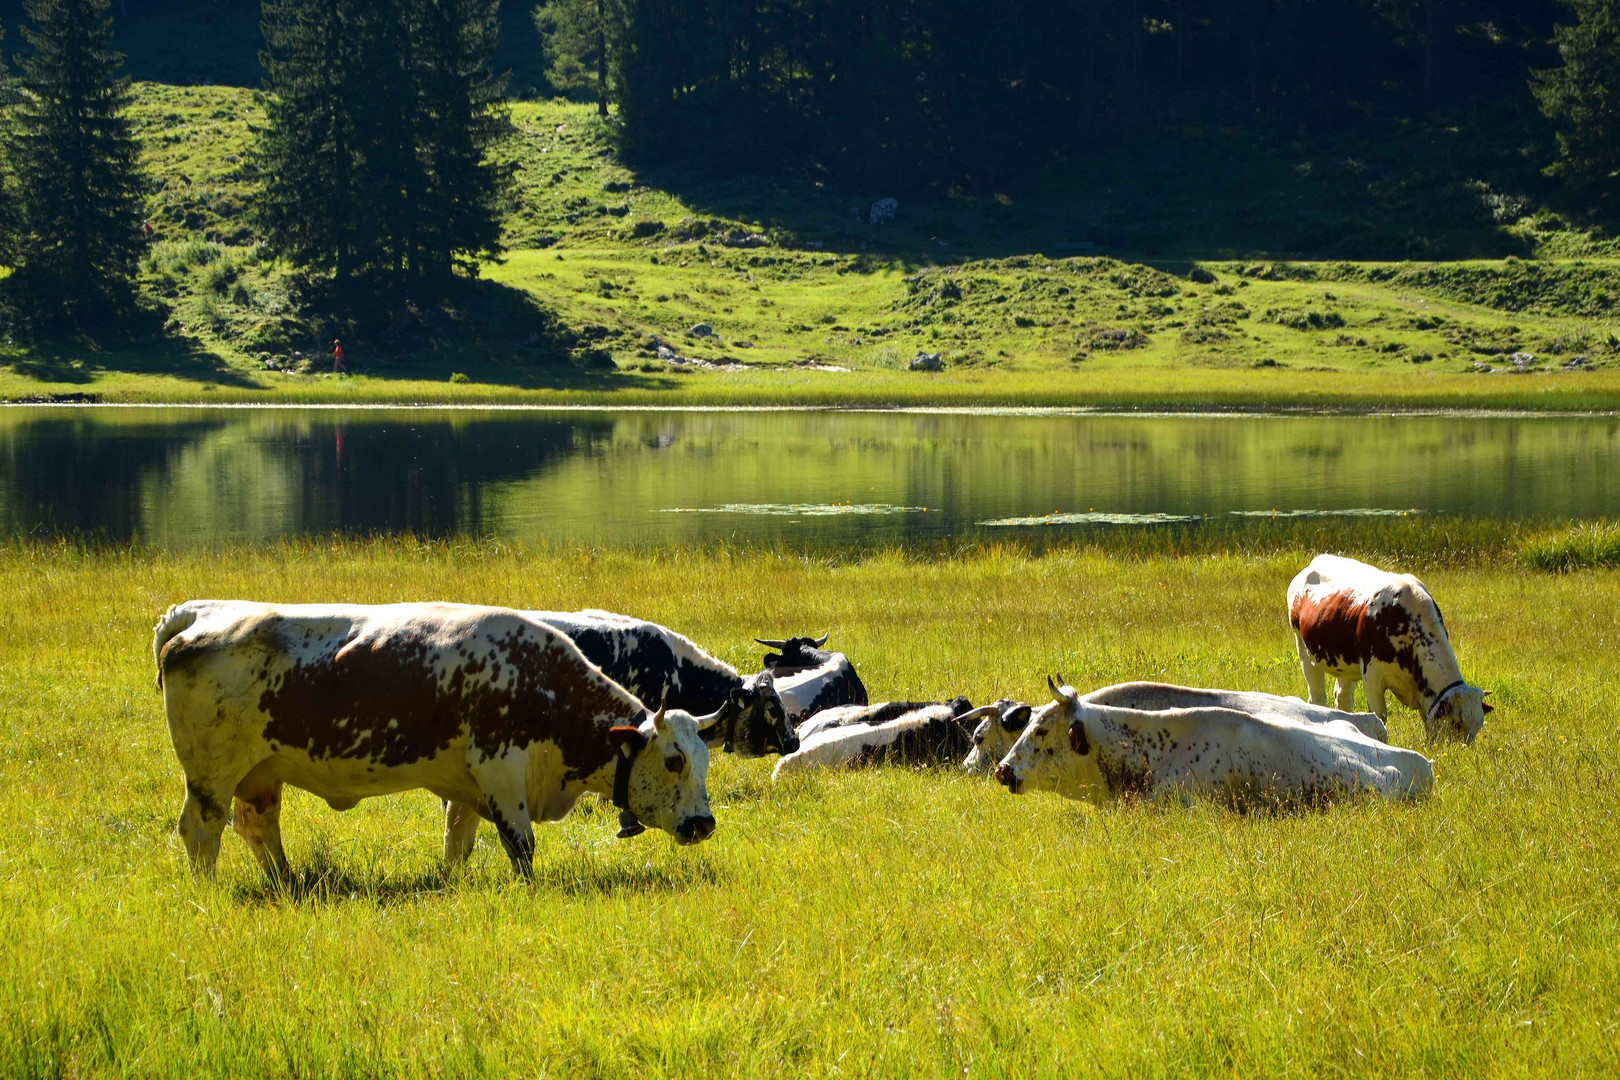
870 923
1021 311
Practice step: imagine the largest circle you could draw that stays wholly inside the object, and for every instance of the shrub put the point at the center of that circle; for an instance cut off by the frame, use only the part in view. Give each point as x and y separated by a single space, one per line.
459 377
1297 319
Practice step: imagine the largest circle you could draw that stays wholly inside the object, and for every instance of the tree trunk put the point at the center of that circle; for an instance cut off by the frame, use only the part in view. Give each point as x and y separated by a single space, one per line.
601 58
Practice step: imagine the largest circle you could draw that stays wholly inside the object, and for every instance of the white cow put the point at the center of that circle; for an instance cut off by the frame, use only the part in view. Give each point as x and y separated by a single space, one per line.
484 707
925 735
1358 623
995 736
1099 752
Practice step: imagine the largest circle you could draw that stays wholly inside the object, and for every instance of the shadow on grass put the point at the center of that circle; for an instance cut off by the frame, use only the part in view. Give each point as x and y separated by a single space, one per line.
80 361
573 874
1196 192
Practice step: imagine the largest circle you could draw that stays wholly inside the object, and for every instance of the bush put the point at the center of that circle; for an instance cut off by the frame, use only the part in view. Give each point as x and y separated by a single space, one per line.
1585 547
459 377
1296 319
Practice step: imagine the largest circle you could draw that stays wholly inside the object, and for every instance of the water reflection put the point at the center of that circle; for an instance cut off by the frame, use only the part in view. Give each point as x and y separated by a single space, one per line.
182 477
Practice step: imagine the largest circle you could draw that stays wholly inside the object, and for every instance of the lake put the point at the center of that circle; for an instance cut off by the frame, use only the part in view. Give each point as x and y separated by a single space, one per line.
183 477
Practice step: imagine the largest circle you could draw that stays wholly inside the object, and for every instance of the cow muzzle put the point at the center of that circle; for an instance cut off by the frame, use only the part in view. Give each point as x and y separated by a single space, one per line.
695 830
790 745
1007 777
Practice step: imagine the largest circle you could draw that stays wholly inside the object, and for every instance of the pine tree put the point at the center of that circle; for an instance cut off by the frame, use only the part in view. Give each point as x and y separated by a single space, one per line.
78 175
1582 97
375 162
585 45
8 187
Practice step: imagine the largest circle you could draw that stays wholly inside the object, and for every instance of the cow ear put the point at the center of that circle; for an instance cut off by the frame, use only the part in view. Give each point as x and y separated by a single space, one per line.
1016 719
1077 738
626 740
1488 707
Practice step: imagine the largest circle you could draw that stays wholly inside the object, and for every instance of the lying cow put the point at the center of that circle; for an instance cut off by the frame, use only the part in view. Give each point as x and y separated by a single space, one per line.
1357 623
995 736
809 679
655 663
1084 750
872 715
928 734
484 707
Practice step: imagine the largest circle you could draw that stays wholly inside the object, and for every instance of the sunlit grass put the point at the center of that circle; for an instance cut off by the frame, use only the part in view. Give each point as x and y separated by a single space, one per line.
869 923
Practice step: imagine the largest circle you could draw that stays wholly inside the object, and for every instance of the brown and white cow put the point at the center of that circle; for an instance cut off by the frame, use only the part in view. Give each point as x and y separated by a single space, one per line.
1358 623
1084 750
484 707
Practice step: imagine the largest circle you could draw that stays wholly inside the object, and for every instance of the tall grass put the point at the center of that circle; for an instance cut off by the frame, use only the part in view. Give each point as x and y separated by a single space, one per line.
1579 547
886 922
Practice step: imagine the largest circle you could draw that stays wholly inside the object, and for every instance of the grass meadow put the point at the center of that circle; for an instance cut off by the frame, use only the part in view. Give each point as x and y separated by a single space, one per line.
887 922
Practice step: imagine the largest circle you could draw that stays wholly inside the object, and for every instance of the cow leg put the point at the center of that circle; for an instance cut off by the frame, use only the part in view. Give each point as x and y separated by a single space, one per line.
1344 693
1315 677
257 820
460 830
202 822
1372 680
503 781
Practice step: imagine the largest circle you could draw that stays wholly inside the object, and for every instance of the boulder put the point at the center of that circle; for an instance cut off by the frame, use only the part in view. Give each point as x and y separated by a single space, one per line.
702 329
926 361
883 211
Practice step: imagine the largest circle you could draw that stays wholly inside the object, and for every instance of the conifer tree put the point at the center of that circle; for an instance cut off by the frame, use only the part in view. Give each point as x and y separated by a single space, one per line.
1582 97
8 189
375 161
585 45
76 165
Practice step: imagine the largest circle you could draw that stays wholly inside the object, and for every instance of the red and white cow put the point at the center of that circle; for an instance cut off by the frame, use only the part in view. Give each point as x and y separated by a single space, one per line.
484 707
1358 623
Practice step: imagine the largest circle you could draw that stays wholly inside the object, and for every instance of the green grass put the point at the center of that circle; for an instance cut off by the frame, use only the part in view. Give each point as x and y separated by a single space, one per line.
1585 546
868 923
1011 289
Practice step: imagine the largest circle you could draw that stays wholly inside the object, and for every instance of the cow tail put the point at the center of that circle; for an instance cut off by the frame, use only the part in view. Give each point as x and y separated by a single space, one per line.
177 620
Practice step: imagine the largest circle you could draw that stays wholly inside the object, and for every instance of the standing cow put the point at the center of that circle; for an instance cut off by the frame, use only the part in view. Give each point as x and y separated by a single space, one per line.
1357 623
484 707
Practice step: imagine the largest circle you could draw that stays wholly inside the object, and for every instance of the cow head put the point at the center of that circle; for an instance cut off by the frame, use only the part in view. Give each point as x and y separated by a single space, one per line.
794 654
1055 752
995 735
662 769
1458 715
753 722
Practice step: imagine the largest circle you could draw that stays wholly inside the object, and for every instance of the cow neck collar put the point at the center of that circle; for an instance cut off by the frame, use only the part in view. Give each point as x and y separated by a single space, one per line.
621 772
1441 696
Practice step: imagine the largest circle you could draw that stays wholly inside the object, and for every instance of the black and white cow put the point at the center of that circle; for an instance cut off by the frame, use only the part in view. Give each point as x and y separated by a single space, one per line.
496 713
652 661
996 734
809 679
900 732
871 715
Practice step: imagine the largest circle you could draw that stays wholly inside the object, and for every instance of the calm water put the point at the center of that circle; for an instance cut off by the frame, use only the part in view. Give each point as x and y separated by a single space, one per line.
184 477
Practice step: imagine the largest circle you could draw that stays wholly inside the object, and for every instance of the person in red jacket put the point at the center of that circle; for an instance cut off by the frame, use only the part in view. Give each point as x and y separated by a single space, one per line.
337 358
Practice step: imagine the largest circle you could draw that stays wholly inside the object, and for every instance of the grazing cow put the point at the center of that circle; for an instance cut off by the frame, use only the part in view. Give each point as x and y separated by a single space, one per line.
1083 750
484 707
651 661
995 736
1361 624
922 735
809 680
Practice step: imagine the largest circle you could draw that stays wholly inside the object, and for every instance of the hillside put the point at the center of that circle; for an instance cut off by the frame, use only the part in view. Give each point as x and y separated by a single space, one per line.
1129 276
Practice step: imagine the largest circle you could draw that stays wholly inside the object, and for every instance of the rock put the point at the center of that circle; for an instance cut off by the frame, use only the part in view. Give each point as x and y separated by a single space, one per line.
926 361
736 238
883 211
1577 363
702 329
1522 360
743 344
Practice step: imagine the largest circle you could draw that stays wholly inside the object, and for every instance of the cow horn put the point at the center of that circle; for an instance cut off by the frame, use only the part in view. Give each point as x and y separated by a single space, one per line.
822 640
663 707
771 644
704 723
1057 692
977 714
